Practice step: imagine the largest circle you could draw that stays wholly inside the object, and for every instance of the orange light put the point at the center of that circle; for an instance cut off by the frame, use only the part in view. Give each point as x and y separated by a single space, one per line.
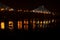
2 9
19 24
25 21
2 25
41 22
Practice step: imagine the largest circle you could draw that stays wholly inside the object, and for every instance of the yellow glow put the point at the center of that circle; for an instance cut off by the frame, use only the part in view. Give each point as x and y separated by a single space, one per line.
37 22
19 24
44 22
10 25
41 22
26 24
47 22
2 25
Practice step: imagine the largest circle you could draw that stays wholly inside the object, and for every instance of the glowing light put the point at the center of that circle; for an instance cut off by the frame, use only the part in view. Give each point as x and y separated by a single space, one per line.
46 12
2 9
2 25
33 10
11 9
34 25
52 20
20 10
41 22
19 24
37 22
26 24
10 25
25 21
26 27
44 22
47 22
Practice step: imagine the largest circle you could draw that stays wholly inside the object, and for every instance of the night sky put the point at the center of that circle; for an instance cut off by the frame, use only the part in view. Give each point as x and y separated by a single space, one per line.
52 5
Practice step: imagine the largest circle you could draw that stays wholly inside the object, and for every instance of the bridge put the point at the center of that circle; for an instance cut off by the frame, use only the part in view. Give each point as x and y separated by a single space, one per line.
38 18
40 9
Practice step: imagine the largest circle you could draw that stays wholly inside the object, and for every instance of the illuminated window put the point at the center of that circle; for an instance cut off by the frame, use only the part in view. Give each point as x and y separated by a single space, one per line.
10 25
47 22
26 24
2 25
37 22
26 27
41 23
19 24
44 22
25 21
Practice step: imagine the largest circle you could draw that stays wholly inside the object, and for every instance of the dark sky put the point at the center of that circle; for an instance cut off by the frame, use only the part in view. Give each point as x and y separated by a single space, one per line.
32 4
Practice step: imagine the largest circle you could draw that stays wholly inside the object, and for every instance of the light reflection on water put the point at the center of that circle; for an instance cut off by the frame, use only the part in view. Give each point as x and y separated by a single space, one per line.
27 24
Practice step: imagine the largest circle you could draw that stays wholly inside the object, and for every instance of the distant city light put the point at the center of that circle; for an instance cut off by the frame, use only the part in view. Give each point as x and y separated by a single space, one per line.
19 10
2 9
11 9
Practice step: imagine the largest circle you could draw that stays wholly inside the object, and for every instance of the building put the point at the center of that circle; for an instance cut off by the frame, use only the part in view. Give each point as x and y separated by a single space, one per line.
36 19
